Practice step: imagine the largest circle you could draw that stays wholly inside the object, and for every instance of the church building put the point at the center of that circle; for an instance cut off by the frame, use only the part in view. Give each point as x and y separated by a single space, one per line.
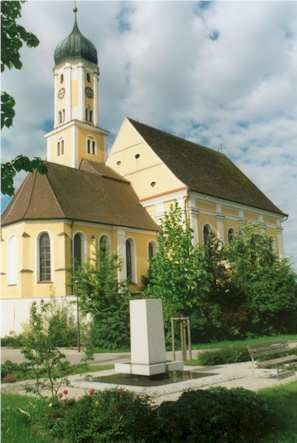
89 199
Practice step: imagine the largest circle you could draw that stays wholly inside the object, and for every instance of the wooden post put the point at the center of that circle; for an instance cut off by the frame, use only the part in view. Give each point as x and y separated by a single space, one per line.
189 338
172 338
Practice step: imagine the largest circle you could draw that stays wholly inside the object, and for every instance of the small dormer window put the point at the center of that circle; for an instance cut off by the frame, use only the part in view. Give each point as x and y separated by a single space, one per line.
91 146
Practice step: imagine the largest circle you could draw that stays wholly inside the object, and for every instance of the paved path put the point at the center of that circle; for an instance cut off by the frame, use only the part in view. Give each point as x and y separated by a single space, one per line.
73 356
229 376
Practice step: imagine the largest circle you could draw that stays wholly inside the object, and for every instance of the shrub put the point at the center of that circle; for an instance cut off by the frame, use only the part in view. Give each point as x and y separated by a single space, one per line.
13 341
10 370
215 415
232 354
109 416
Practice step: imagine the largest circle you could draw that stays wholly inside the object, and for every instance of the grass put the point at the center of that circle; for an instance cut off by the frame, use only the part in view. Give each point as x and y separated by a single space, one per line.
80 368
16 426
245 342
284 401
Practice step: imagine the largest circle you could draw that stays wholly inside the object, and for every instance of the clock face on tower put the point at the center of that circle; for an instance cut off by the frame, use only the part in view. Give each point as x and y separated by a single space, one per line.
89 92
61 92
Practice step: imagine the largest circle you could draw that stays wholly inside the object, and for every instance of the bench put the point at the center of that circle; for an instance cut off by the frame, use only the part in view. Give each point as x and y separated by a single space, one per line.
274 356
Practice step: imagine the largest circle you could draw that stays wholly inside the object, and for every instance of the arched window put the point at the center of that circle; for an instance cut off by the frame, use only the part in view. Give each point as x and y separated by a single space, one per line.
60 117
61 78
88 77
130 260
63 115
104 245
59 149
87 114
151 250
91 146
44 249
77 250
206 233
91 115
231 234
12 260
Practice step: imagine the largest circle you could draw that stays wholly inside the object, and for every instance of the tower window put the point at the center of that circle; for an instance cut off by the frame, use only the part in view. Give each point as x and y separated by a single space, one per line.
88 78
136 156
91 146
91 115
60 116
60 147
44 250
153 184
61 78
63 115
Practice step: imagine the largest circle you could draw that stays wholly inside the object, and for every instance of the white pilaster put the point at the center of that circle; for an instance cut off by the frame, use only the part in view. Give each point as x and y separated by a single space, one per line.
121 249
95 102
193 213
280 241
68 92
81 92
73 146
56 87
220 223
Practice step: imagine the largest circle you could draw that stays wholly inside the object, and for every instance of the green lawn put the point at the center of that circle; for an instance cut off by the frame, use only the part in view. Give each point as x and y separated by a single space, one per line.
80 368
245 342
16 426
284 400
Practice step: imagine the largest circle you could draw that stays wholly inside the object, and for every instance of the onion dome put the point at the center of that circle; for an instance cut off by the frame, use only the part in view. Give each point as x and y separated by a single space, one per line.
76 45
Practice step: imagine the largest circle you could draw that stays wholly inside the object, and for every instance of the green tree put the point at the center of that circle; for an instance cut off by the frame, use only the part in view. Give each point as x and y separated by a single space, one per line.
13 36
178 273
41 353
269 283
105 299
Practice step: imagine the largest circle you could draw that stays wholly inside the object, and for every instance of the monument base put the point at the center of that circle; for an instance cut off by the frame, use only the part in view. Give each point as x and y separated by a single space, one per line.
151 369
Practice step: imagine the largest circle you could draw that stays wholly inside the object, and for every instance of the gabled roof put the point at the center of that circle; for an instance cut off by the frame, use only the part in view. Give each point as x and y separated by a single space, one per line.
204 170
68 193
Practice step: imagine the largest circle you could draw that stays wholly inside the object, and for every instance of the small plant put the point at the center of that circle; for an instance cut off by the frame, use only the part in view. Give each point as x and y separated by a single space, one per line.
43 358
110 416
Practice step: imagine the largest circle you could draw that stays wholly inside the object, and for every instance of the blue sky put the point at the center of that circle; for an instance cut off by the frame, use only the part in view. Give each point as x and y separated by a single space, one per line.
221 73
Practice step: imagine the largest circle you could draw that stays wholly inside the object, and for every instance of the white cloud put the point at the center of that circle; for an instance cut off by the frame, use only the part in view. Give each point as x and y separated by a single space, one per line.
159 65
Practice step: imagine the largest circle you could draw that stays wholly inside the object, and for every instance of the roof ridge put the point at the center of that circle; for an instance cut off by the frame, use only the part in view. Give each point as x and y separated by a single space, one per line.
14 198
55 195
176 136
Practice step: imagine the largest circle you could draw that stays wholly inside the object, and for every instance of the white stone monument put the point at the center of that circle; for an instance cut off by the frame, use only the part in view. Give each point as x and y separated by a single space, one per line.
148 352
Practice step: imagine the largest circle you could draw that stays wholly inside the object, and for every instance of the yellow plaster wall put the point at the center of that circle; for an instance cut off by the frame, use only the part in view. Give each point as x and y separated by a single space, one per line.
141 240
251 217
143 171
67 158
83 134
74 93
231 212
206 205
204 219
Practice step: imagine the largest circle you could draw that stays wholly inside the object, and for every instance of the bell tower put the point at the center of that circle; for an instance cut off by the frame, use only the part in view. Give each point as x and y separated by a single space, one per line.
76 134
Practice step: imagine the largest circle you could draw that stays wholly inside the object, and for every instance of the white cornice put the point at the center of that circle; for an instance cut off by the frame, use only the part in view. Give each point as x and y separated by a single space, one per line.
79 124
